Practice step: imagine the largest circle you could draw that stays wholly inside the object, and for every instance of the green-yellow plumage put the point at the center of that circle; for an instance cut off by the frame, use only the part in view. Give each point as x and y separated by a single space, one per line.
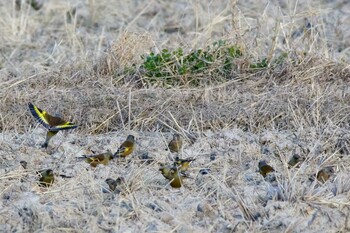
264 168
126 148
183 164
52 123
95 160
46 177
49 135
173 175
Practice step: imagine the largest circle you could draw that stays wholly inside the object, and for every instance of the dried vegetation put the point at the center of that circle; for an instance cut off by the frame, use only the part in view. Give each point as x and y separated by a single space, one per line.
286 92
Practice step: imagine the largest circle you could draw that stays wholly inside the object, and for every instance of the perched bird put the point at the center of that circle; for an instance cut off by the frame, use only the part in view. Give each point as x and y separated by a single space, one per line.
324 174
295 160
173 175
52 123
95 160
183 164
175 144
264 168
112 184
46 177
126 148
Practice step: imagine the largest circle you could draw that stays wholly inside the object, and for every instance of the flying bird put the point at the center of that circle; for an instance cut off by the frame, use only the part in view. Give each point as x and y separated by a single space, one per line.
52 123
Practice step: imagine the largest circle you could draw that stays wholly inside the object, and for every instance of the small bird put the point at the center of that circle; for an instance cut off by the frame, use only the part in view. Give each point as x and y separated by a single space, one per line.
295 160
95 160
112 184
183 164
52 123
172 174
324 174
46 177
264 168
175 144
126 148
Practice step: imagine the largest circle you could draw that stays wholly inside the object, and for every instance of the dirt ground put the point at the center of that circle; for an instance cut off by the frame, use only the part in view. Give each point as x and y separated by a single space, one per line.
63 56
233 196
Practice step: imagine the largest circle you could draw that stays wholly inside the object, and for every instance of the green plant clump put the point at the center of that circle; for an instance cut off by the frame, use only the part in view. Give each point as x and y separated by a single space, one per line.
175 67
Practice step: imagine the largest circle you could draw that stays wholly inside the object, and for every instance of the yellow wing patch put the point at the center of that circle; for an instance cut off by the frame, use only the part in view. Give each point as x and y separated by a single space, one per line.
39 115
67 125
50 122
125 150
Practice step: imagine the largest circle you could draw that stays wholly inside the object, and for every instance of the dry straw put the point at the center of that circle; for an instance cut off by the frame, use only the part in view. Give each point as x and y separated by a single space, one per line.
83 60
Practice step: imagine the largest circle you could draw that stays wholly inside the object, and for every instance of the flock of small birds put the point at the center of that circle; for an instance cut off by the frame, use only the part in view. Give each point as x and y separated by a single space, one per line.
174 172
322 175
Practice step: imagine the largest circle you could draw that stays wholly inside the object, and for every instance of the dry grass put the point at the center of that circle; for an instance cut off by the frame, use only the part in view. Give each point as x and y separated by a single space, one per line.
73 57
